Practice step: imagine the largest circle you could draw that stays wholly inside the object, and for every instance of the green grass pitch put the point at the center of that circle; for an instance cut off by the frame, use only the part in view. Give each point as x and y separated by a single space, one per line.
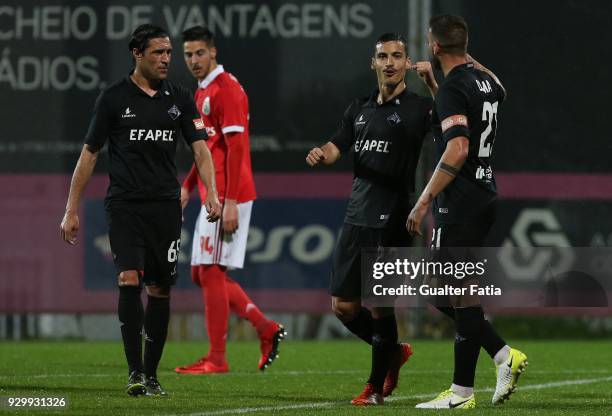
309 378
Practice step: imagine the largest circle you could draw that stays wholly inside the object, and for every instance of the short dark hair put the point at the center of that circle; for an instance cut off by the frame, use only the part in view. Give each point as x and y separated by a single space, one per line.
143 33
451 32
392 37
199 33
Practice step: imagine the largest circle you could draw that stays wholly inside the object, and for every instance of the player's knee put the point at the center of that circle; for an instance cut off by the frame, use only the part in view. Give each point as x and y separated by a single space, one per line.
380 313
345 311
128 278
158 291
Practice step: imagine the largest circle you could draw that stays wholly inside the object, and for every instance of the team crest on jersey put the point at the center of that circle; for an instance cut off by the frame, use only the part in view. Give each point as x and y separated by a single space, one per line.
206 106
174 112
394 119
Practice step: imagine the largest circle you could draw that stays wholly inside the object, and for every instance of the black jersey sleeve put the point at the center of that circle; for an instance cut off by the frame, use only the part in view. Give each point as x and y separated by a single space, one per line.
192 124
101 123
452 108
344 137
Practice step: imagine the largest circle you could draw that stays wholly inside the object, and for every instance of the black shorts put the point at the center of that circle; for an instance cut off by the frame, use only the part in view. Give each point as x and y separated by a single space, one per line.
458 244
464 235
345 279
145 236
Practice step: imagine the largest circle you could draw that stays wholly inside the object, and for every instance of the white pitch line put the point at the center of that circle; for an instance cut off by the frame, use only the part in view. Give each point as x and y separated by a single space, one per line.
319 405
288 373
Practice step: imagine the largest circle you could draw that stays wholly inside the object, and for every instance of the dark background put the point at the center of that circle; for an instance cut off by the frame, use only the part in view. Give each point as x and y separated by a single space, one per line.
551 154
551 55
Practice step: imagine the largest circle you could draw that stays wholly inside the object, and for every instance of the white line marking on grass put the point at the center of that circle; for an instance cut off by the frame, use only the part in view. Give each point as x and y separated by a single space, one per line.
320 405
286 373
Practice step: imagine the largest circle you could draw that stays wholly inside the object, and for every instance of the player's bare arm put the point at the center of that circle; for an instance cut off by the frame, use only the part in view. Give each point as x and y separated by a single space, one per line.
327 154
425 72
482 68
69 227
206 169
448 168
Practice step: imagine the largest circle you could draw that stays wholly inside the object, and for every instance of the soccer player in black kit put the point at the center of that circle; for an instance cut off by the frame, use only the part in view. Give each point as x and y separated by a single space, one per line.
141 116
385 132
463 193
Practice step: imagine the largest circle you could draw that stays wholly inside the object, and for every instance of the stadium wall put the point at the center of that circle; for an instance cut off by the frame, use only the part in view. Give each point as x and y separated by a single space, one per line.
295 223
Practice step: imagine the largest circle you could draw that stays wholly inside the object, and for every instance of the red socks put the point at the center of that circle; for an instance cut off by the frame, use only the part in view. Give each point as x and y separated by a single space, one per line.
212 282
220 294
243 306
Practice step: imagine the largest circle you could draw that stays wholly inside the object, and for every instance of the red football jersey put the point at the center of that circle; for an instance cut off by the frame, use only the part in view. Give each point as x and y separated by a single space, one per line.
224 107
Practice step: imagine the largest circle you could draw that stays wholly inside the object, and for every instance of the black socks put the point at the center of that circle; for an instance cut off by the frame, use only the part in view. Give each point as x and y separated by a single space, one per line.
384 344
361 325
131 316
157 317
490 340
469 322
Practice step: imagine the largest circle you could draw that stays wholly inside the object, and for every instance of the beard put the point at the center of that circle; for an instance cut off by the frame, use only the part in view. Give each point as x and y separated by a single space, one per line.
391 84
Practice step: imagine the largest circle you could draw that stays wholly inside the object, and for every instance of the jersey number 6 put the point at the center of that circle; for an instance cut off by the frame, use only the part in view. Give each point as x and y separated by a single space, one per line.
489 114
173 251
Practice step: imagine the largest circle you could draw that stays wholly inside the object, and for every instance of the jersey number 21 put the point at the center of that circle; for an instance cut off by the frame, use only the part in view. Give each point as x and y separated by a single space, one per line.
489 114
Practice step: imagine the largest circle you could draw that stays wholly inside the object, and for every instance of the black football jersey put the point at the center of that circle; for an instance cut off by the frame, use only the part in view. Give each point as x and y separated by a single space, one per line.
467 104
142 134
386 141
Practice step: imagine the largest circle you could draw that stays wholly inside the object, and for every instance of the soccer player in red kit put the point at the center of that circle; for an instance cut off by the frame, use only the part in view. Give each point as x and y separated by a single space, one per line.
224 107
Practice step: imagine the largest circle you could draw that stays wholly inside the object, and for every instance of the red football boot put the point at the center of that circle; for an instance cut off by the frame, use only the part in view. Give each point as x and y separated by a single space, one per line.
392 377
203 366
368 397
268 344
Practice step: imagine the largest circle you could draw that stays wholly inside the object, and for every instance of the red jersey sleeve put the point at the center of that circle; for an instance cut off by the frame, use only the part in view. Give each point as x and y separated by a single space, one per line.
232 119
232 109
